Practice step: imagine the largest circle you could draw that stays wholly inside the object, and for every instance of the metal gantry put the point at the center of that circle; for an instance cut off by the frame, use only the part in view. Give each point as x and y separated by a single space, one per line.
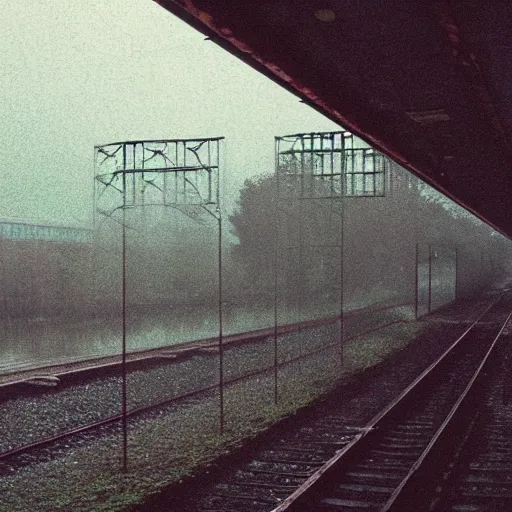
309 188
182 174
177 173
315 173
340 160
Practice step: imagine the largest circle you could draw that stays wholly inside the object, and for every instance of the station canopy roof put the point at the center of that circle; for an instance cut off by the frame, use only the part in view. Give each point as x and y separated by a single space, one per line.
427 82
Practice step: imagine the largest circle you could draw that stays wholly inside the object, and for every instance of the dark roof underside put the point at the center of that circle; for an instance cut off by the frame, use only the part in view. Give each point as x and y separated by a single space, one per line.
428 83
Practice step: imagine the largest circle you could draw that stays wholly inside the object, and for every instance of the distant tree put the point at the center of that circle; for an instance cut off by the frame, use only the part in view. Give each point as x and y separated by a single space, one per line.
380 237
254 225
304 231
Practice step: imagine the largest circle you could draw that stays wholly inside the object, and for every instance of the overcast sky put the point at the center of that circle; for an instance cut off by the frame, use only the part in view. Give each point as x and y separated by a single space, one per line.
84 72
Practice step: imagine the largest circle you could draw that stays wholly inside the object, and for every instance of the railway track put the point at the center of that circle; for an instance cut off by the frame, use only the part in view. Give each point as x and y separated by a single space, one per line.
479 477
29 452
336 462
280 481
396 461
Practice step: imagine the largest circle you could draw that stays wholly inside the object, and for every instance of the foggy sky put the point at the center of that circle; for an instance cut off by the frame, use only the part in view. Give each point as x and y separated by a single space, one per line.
80 73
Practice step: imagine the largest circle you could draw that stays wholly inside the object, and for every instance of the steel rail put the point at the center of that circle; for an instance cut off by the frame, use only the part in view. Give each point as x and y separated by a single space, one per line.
140 410
146 408
447 421
312 484
143 409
